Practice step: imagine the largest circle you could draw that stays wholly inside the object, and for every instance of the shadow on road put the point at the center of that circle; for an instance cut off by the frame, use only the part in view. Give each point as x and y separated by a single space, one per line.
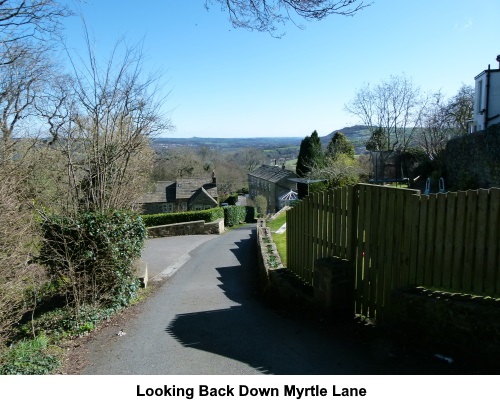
274 344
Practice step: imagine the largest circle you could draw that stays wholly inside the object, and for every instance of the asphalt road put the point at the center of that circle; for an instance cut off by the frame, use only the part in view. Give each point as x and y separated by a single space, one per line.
208 319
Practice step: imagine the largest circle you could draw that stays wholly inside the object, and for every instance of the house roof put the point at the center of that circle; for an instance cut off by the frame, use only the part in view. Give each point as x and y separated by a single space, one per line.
271 173
180 189
201 191
159 194
486 71
185 188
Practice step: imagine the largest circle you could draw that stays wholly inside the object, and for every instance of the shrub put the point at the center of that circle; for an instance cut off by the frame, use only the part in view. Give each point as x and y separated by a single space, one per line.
210 215
261 205
91 255
234 215
232 199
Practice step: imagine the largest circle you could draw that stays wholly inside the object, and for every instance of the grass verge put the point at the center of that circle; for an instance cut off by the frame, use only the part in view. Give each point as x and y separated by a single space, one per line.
279 239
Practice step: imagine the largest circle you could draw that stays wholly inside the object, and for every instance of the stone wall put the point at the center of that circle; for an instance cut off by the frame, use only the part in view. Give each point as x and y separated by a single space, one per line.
187 228
278 285
455 324
473 160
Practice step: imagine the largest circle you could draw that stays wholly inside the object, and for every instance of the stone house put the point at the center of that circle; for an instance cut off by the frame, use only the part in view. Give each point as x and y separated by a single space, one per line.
190 194
273 183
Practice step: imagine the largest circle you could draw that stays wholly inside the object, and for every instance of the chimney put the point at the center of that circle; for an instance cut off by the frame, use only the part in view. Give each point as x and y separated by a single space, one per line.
498 60
283 167
213 177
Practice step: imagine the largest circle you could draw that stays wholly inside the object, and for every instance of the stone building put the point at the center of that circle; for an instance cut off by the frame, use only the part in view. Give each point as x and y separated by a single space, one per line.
190 194
273 183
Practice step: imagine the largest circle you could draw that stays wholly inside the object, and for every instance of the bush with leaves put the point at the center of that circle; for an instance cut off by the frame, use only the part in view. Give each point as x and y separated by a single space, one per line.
92 255
261 206
209 215
339 172
235 214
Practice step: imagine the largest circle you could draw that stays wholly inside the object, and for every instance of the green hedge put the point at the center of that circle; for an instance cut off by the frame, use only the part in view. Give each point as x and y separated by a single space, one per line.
210 215
234 215
91 255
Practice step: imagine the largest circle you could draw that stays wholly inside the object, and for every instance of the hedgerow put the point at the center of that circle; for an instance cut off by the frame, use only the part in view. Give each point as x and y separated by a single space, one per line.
234 215
210 215
90 256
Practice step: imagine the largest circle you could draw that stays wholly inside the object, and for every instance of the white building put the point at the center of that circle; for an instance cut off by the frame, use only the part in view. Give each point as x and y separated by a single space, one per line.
487 99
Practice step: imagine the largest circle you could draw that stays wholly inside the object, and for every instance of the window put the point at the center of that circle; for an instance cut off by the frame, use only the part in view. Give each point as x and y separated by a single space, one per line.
480 97
169 207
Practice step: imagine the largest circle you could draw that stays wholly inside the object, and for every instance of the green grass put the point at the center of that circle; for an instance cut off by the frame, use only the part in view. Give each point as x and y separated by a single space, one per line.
291 164
30 356
279 239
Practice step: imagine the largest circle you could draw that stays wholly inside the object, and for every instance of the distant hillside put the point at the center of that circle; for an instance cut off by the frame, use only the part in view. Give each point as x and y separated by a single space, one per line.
228 143
275 148
358 135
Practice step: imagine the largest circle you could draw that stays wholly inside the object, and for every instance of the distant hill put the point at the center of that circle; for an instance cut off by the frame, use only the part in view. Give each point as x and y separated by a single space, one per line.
276 147
357 134
228 143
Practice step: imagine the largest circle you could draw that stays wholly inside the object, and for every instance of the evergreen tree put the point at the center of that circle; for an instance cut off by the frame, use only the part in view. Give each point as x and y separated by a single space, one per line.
339 145
310 155
378 140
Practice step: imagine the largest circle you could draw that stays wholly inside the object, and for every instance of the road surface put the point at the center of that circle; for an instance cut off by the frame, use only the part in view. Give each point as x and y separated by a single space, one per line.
208 319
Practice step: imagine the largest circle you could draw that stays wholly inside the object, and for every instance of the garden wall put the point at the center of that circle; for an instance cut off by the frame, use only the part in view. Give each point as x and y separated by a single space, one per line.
456 324
473 160
281 288
187 228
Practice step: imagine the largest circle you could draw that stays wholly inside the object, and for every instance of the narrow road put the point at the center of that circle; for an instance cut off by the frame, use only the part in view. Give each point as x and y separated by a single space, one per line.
208 319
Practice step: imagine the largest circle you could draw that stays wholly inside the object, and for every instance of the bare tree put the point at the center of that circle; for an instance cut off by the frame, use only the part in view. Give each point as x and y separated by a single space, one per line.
27 22
460 109
395 106
443 119
250 158
17 274
21 84
265 15
103 123
434 132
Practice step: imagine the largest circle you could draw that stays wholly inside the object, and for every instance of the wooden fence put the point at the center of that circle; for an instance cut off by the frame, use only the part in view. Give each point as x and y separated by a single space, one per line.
397 238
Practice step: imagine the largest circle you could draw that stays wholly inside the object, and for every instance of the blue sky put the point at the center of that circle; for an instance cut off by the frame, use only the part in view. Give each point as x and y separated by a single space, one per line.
227 82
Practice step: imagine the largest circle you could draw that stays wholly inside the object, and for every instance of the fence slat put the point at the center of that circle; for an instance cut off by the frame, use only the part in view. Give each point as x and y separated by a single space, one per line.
422 232
381 244
399 238
430 240
373 211
480 241
470 233
437 266
449 229
414 237
459 239
492 278
361 279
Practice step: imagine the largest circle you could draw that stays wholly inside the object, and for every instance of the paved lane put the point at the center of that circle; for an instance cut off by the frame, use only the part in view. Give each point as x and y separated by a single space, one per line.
208 319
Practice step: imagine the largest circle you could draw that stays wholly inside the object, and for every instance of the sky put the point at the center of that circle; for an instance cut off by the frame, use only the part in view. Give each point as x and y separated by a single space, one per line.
219 81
